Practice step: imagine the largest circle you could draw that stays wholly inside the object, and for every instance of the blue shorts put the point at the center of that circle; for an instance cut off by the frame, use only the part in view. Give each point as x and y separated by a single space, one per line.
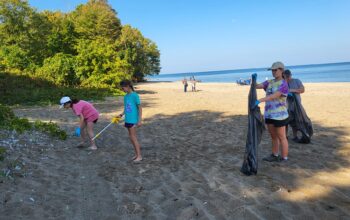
129 125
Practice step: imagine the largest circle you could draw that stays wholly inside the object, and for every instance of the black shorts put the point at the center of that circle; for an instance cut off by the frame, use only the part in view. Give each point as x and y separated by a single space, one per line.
129 125
92 121
277 123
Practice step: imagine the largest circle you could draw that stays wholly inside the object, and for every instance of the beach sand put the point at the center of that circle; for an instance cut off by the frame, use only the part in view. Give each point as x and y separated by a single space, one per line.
193 145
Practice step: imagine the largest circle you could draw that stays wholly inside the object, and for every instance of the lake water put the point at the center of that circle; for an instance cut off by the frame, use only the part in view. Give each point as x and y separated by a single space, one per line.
333 72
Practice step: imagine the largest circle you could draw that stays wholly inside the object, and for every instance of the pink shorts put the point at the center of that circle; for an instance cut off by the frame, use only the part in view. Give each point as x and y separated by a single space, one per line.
92 118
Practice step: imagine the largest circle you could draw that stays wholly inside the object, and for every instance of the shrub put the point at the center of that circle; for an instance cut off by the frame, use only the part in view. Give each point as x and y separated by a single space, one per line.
59 70
18 89
9 121
51 128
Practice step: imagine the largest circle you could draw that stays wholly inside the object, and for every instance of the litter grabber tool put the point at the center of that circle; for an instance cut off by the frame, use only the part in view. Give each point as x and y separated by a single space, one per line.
114 121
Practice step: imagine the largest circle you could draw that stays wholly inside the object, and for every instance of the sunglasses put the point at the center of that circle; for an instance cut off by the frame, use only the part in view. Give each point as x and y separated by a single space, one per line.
274 70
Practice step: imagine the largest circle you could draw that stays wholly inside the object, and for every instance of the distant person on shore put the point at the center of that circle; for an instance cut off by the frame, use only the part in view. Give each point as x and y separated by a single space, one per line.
193 84
133 116
276 113
296 87
88 116
185 83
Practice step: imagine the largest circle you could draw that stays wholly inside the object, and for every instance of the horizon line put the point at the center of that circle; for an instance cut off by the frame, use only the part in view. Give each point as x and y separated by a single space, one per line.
208 71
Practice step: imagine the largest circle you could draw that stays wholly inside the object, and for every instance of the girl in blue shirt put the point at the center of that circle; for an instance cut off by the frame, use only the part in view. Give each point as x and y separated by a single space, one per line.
133 116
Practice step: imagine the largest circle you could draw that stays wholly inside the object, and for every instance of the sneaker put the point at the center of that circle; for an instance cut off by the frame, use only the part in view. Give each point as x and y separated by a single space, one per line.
283 161
272 158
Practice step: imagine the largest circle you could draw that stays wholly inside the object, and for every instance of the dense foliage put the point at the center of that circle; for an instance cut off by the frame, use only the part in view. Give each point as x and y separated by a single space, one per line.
9 121
19 89
87 47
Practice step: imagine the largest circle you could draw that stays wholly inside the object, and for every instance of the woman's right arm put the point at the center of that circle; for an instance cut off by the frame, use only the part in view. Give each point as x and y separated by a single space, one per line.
259 86
262 85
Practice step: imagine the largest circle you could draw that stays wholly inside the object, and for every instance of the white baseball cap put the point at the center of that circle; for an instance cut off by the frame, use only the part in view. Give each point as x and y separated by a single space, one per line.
64 100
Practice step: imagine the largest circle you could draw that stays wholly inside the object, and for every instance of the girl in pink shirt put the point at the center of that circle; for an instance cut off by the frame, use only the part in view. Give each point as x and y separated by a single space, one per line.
88 116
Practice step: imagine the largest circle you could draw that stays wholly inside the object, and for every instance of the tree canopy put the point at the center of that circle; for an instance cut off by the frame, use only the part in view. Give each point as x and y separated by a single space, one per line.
86 47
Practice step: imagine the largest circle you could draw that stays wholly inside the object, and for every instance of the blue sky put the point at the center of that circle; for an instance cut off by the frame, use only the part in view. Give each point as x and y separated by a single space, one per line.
203 35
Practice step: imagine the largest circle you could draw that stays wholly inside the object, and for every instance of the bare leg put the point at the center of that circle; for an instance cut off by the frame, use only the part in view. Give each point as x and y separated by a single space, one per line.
135 143
274 137
90 131
281 133
83 134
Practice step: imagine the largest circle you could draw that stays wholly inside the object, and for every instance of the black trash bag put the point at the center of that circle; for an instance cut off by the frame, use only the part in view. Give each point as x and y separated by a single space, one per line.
255 129
299 119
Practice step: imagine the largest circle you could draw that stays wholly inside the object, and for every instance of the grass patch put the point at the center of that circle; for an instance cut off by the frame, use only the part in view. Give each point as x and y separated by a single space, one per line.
18 89
50 128
9 121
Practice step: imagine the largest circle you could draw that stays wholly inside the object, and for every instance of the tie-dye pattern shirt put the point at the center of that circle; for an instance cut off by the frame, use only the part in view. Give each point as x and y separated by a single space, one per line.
277 108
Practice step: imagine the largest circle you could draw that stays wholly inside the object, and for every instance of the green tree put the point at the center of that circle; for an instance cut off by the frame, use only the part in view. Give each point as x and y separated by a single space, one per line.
23 29
14 16
14 21
59 69
140 52
96 19
87 47
62 37
98 63
13 57
39 30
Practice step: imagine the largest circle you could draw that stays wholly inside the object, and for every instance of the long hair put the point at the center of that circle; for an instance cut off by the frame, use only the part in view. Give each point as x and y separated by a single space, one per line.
127 83
74 101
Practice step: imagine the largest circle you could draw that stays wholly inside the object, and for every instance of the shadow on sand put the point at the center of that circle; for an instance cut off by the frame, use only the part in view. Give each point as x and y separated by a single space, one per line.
191 170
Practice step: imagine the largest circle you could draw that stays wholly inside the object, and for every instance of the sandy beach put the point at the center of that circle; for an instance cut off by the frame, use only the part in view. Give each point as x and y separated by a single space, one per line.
193 145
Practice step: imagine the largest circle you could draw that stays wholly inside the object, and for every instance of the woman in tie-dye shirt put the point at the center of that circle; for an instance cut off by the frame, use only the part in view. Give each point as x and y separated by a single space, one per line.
276 113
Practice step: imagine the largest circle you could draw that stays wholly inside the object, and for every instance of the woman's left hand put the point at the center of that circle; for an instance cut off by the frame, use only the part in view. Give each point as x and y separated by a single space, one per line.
139 124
